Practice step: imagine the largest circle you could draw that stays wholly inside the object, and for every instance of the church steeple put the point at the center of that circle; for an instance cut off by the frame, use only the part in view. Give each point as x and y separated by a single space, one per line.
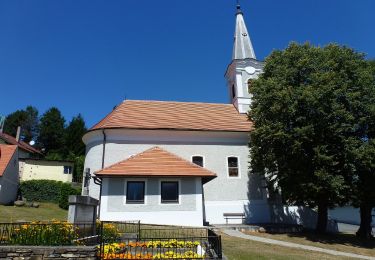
244 67
242 48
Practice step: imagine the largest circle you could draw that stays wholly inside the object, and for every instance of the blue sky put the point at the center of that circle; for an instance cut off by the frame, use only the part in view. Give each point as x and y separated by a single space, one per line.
86 56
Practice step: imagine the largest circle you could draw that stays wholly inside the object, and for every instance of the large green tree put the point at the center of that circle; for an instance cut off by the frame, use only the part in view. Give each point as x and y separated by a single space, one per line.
362 150
51 135
303 108
27 119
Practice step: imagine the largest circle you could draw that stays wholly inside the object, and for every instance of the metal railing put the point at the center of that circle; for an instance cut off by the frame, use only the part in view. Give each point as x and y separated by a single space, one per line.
120 240
123 240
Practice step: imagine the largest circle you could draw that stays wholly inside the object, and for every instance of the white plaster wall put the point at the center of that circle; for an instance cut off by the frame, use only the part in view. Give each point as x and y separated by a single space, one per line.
230 194
9 181
46 170
188 212
256 211
348 215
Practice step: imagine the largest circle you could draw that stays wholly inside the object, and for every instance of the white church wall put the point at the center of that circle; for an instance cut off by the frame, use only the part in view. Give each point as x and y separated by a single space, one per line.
225 190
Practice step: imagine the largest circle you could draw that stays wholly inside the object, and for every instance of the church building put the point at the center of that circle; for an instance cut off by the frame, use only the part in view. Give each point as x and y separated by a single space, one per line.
180 163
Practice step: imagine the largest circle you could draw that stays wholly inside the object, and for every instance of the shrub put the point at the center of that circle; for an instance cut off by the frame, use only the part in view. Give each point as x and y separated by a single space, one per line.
48 190
65 191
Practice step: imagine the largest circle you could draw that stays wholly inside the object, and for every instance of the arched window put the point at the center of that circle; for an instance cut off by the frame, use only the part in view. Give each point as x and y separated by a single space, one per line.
249 85
198 160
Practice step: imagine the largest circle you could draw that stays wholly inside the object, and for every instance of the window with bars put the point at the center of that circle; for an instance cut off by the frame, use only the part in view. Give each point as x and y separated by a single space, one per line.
169 192
233 170
135 192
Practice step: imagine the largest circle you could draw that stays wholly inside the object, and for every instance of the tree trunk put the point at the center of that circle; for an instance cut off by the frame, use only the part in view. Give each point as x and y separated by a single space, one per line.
365 228
321 225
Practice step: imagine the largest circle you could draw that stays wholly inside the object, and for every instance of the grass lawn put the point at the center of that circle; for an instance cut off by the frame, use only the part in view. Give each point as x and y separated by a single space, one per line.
46 211
340 242
242 249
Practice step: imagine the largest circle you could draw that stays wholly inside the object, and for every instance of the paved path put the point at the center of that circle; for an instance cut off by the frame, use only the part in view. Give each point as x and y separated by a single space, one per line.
236 233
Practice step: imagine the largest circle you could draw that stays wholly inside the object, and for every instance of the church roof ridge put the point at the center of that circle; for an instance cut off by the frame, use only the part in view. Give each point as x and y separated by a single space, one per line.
175 101
172 115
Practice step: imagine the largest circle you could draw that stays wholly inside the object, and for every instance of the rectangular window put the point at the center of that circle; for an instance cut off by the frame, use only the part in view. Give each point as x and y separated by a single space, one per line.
135 192
233 166
169 192
198 160
67 169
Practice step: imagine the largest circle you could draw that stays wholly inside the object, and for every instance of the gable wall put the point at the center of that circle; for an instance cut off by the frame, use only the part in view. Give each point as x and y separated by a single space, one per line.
9 181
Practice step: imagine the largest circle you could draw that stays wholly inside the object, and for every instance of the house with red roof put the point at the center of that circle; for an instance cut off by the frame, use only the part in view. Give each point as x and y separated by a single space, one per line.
33 166
9 179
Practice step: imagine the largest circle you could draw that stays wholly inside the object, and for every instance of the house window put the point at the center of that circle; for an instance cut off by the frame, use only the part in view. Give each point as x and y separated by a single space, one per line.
198 160
233 166
233 92
67 169
169 192
135 192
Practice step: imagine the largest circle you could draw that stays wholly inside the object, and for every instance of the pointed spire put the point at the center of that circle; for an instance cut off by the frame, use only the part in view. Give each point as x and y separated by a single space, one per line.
242 48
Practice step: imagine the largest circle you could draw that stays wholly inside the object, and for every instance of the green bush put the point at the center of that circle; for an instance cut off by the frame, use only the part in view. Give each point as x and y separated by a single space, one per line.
48 190
65 191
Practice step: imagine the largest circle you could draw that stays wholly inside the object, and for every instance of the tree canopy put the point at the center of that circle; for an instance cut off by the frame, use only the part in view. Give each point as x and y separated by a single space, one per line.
28 121
307 106
51 135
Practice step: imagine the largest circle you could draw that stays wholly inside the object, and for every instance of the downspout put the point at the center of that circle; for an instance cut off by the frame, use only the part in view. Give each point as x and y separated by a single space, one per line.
104 142
101 181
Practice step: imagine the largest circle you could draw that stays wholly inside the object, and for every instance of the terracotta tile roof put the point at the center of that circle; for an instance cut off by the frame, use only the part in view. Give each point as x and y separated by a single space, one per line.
21 144
175 115
6 154
156 162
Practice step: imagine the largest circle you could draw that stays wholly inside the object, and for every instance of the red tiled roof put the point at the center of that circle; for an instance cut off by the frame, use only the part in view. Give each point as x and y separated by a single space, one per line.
138 114
6 154
21 144
156 162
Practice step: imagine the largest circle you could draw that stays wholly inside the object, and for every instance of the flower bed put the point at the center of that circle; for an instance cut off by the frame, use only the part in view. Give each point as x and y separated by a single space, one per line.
155 249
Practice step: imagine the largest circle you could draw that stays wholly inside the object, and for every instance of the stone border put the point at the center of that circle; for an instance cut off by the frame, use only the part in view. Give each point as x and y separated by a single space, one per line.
48 252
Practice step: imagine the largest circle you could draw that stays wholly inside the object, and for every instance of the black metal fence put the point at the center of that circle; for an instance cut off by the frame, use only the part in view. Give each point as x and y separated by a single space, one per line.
118 240
135 241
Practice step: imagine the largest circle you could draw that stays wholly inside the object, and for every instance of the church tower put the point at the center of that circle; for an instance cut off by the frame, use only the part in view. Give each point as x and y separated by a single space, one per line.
243 68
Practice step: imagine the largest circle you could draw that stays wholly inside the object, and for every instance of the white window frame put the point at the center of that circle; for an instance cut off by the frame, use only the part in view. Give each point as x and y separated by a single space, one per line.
125 191
239 167
179 191
196 155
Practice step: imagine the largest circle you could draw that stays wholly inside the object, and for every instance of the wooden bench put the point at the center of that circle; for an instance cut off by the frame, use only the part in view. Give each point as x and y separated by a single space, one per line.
234 216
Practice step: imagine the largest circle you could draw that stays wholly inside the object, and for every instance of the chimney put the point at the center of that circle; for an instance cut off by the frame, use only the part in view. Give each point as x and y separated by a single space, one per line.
18 134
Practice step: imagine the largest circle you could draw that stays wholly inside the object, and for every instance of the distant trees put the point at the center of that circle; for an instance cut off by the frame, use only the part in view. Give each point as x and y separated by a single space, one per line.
51 132
27 119
313 110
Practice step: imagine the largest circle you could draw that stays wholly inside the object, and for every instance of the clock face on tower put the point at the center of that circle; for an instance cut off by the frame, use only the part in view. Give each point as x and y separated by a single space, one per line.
250 70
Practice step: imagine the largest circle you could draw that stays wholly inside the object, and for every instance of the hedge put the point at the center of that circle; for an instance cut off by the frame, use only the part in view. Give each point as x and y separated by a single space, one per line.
49 191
